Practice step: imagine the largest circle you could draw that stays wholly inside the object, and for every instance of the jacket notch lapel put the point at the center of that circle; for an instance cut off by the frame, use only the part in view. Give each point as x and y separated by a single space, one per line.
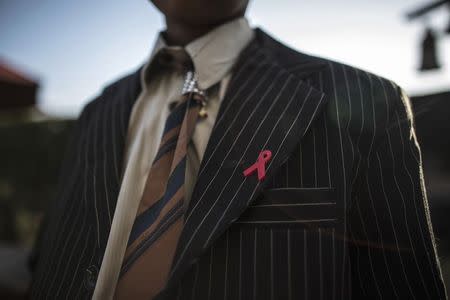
112 113
265 108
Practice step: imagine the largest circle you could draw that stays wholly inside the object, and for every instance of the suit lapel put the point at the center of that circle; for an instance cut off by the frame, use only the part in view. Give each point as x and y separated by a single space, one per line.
266 107
112 115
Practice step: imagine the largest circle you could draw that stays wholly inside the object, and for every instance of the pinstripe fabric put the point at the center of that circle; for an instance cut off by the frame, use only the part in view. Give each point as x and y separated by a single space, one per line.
341 214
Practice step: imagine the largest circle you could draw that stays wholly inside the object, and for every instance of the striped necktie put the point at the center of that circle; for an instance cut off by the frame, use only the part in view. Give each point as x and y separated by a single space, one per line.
160 217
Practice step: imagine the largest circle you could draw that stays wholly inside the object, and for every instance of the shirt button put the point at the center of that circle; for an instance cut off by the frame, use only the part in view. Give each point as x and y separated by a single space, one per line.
90 277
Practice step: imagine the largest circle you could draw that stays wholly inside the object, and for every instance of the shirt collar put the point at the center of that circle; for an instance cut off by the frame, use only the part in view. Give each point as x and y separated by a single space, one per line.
214 53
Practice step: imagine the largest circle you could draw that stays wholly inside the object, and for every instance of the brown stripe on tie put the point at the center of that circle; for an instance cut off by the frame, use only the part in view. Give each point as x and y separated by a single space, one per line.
185 135
155 185
168 135
149 273
168 207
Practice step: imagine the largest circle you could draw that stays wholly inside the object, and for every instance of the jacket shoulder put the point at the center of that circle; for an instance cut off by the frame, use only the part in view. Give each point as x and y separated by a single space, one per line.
358 100
325 74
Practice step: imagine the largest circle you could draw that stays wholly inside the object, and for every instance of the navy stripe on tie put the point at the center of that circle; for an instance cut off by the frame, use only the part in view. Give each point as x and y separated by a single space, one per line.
146 219
167 147
176 117
171 217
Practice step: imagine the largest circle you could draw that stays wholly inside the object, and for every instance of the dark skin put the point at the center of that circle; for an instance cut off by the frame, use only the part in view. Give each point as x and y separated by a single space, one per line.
187 20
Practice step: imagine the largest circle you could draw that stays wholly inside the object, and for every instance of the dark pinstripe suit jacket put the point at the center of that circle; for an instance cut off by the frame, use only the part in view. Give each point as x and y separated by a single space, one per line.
341 214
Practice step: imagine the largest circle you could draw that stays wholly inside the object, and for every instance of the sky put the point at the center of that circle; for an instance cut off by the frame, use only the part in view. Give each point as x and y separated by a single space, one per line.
74 48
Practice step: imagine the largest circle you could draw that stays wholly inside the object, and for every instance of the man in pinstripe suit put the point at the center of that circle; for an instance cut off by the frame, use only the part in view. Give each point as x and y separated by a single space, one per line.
342 210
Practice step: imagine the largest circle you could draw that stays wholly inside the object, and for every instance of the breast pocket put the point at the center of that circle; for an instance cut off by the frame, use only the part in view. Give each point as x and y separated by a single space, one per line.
299 207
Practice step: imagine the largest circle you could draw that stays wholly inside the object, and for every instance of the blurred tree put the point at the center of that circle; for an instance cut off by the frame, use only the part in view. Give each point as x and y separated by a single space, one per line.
30 156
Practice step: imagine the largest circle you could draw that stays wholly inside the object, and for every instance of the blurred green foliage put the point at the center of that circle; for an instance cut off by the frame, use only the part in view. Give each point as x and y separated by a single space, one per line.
30 158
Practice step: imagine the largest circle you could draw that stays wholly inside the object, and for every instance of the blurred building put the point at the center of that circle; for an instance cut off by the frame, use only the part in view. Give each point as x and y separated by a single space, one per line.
16 89
18 96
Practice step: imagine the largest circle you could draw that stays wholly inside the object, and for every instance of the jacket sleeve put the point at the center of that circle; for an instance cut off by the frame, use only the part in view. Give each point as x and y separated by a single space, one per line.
392 247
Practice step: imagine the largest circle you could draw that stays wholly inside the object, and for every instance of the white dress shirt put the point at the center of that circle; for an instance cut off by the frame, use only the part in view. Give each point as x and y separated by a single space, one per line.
213 56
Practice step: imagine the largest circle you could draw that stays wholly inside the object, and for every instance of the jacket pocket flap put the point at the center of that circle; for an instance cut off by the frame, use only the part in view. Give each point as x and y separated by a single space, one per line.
292 206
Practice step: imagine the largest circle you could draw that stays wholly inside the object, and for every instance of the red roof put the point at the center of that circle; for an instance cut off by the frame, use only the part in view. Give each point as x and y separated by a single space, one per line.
10 74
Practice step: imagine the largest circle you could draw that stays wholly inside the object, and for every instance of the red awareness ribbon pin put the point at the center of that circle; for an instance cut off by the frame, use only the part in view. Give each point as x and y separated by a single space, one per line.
259 165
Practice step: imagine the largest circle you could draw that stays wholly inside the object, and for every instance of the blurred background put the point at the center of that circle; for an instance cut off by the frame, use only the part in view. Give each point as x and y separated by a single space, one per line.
56 55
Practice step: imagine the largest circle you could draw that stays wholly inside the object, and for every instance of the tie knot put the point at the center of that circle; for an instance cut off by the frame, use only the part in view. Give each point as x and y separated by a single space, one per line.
175 58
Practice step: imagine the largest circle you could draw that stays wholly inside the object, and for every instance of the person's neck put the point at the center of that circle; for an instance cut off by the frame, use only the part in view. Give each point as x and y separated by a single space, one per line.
180 34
